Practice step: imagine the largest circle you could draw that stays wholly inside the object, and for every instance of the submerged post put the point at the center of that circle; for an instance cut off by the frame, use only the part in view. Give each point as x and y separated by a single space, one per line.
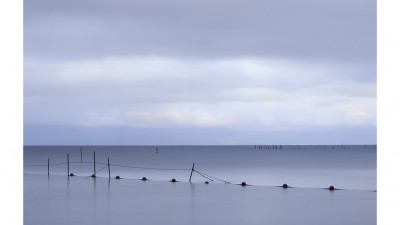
48 167
68 164
108 163
190 179
94 163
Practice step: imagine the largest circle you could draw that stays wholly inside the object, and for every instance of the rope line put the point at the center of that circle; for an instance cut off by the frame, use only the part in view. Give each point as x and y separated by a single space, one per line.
36 165
147 168
133 167
90 162
201 173
101 169
203 176
51 164
55 164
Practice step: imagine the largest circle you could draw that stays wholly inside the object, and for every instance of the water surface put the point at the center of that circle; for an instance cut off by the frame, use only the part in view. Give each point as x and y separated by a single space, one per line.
59 199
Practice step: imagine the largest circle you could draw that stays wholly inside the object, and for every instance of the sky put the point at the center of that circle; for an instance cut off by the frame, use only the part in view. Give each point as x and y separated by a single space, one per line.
199 72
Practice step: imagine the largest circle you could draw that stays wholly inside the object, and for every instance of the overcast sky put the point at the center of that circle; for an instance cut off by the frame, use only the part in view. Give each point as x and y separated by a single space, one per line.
199 72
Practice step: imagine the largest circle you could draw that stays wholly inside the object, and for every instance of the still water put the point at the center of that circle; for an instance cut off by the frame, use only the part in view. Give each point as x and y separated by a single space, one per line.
59 199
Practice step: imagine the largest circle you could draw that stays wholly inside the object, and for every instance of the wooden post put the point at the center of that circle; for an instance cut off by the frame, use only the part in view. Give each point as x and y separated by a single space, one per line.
94 163
108 163
81 154
48 167
190 179
68 164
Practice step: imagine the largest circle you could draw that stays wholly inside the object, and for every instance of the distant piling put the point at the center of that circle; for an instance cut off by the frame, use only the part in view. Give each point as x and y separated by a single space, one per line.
108 164
48 167
81 154
190 179
67 164
94 164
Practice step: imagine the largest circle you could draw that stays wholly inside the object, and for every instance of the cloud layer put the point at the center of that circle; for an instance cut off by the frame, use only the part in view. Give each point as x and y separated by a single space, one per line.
157 91
240 65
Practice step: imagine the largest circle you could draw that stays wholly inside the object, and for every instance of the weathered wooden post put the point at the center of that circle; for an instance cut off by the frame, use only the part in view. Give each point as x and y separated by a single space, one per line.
94 163
48 167
108 163
81 154
68 164
190 179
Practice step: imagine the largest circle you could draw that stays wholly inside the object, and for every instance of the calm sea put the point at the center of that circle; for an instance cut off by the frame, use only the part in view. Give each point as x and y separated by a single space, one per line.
59 199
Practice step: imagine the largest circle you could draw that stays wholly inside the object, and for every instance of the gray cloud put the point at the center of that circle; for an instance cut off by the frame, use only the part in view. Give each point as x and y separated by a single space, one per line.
339 30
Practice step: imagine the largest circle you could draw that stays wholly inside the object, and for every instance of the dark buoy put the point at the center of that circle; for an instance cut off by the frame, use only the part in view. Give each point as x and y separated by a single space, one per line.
144 178
284 186
93 175
117 177
206 182
243 183
331 188
71 174
173 180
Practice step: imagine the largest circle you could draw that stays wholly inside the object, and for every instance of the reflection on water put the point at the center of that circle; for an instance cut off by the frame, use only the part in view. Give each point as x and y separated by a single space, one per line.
102 201
94 202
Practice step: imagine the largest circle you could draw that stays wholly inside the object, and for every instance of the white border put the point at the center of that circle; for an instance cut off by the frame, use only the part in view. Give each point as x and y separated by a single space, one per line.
11 92
11 140
388 111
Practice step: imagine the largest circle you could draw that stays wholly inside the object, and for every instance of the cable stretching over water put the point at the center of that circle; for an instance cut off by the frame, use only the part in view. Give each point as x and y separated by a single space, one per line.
203 174
52 164
101 169
147 168
55 164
